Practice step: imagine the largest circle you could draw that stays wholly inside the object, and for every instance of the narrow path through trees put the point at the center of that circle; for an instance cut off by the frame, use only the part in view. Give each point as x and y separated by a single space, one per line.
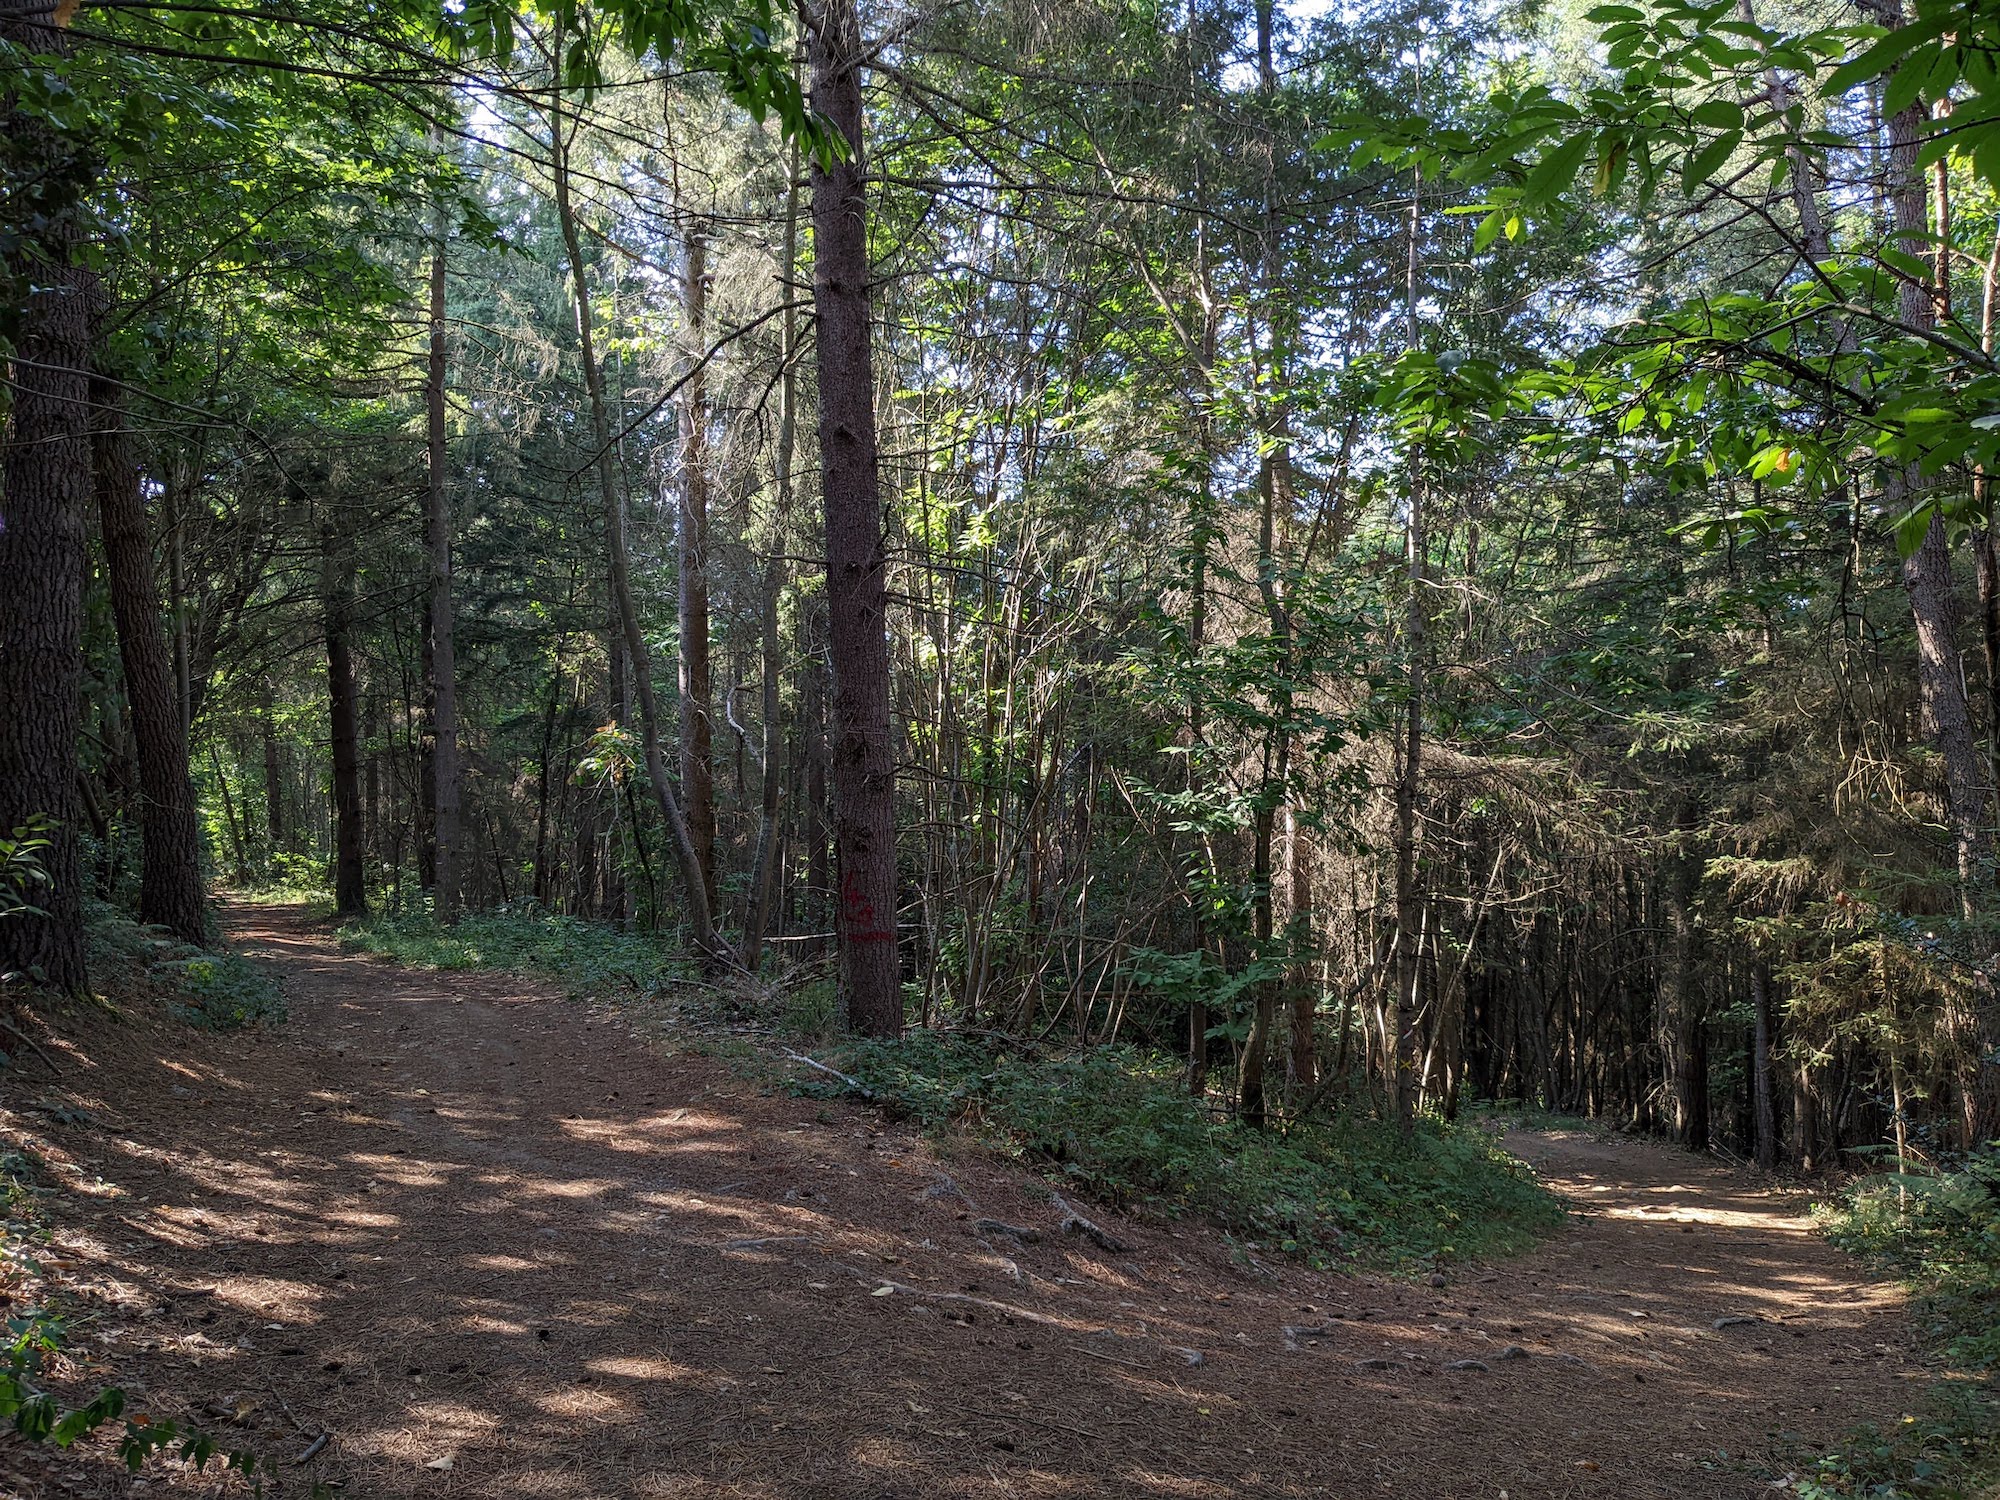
498 1245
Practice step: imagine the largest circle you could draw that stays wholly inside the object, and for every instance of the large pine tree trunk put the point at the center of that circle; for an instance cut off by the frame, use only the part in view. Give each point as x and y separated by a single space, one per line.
696 674
44 486
440 659
170 888
350 895
863 758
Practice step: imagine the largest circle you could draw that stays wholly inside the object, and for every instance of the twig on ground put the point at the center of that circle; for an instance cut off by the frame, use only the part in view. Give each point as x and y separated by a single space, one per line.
286 1409
1130 1364
313 1448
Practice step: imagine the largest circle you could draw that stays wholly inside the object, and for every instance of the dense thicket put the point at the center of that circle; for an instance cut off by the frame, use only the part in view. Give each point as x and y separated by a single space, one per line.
1406 553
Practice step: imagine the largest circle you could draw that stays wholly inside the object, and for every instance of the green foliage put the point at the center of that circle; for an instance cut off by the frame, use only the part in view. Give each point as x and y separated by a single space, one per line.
37 1416
1117 1125
586 957
219 991
208 988
1947 1453
21 869
1941 1232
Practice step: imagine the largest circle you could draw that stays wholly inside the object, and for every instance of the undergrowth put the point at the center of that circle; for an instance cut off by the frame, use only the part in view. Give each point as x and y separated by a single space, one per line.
211 989
587 958
1941 1234
1117 1125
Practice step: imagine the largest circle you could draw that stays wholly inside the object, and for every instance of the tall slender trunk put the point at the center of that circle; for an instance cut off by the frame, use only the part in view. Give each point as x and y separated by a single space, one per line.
764 868
863 757
1201 533
1276 487
1763 1096
637 658
441 660
44 486
170 888
350 895
542 882
1408 1085
1986 540
697 706
274 783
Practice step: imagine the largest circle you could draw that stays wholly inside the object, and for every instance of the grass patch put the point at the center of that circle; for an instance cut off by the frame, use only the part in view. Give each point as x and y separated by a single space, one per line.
587 958
1116 1125
1941 1234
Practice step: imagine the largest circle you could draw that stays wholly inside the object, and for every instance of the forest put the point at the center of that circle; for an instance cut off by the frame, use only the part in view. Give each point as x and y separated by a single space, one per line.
1354 564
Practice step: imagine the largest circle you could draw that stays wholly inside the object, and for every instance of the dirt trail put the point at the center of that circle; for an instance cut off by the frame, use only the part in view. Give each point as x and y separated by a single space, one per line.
498 1246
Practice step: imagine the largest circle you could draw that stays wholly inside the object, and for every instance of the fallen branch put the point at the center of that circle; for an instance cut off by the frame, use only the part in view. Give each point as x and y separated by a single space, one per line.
1075 1223
30 1044
313 1448
1006 1309
855 1085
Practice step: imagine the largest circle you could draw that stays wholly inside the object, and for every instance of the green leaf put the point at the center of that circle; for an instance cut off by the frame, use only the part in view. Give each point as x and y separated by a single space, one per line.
1719 114
1710 159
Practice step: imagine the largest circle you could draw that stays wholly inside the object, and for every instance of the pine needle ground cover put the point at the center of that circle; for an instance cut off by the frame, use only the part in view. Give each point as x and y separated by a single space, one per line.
1113 1123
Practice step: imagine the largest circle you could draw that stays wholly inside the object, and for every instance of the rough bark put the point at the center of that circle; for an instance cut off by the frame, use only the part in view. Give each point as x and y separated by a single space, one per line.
1763 1094
441 660
170 885
863 762
44 486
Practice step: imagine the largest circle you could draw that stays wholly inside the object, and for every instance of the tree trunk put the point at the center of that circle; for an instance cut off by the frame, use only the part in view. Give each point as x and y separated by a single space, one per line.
764 868
274 785
696 676
441 660
637 659
170 887
1927 581
1684 1026
1763 1097
44 486
350 894
863 759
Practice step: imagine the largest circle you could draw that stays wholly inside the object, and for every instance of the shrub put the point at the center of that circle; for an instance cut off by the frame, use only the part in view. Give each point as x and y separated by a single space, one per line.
1117 1125
586 957
1941 1233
